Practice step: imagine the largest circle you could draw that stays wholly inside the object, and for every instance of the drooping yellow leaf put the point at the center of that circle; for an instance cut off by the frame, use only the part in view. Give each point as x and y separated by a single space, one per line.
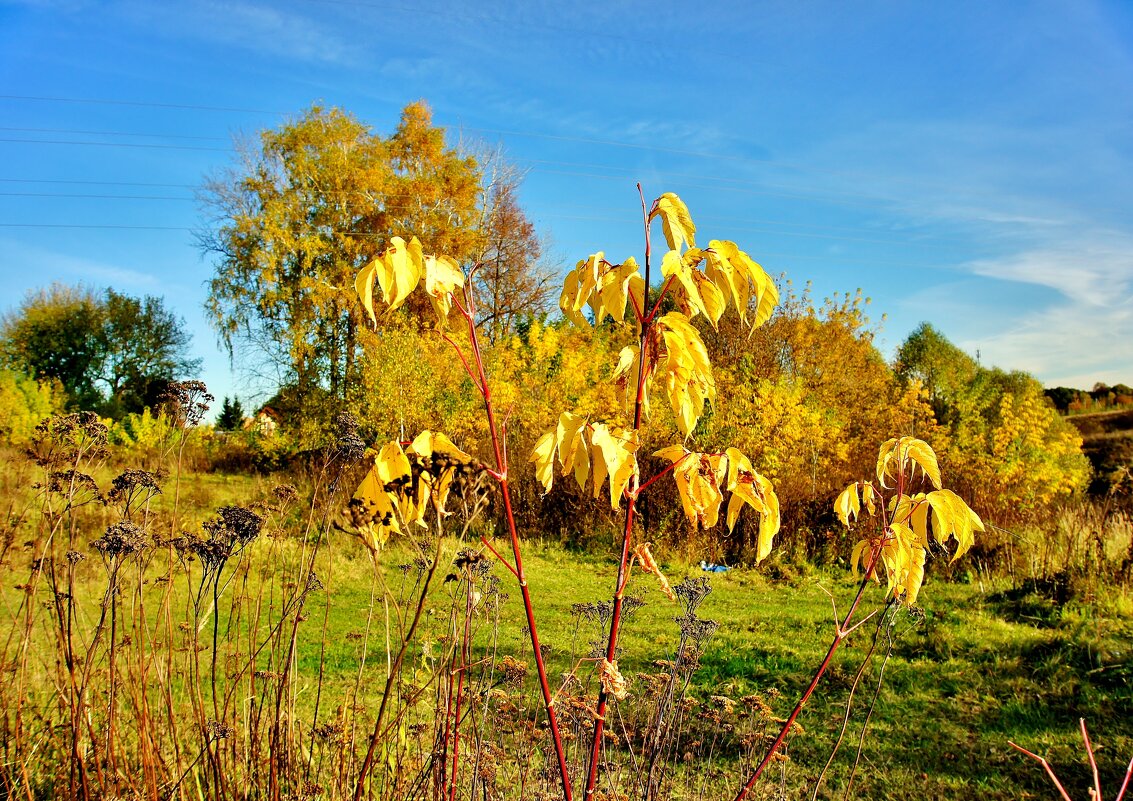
626 374
749 487
847 505
685 370
442 276
951 516
614 290
900 455
578 289
860 555
711 299
364 286
914 575
573 452
614 455
869 498
544 458
567 298
391 463
675 220
403 267
737 276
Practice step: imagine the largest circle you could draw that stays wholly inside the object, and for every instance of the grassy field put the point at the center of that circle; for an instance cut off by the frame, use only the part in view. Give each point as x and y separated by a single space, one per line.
976 665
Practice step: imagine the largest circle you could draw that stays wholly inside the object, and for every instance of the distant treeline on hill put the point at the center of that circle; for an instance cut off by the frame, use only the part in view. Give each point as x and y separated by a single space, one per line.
1099 399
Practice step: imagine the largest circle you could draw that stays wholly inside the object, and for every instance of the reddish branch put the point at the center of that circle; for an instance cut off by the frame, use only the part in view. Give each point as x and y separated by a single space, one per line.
499 448
627 534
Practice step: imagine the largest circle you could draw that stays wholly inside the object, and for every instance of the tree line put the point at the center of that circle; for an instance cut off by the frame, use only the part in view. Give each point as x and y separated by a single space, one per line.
308 204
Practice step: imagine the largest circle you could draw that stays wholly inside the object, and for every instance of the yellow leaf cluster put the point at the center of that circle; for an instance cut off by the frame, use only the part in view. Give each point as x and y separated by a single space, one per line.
904 542
398 271
906 454
593 452
603 286
702 479
677 359
728 275
403 484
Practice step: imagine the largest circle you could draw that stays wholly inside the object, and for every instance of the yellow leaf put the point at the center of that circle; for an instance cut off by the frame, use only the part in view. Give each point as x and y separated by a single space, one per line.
614 290
391 463
675 220
580 285
751 488
364 286
544 458
952 517
404 265
870 498
914 575
861 552
847 504
685 370
907 453
737 275
614 456
572 449
442 276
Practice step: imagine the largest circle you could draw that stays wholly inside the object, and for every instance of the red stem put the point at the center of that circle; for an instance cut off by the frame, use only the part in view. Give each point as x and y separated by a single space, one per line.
1124 784
464 655
661 475
627 534
842 632
1046 767
661 297
496 553
1093 762
501 476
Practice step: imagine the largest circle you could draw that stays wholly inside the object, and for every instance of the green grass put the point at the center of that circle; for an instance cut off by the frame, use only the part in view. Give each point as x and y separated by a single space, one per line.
980 666
978 669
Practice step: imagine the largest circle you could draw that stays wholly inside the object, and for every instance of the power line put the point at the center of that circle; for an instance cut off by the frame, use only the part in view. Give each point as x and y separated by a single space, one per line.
115 144
115 133
141 104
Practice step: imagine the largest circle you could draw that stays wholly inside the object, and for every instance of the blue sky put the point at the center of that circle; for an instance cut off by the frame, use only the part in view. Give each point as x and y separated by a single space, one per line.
969 163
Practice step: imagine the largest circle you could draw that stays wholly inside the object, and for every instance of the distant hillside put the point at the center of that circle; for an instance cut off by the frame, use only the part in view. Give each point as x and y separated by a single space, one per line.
1108 442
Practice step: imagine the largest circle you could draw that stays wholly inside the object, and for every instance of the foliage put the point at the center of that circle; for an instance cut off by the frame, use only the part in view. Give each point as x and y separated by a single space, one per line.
317 200
942 369
1013 455
231 415
24 402
111 352
906 532
1099 399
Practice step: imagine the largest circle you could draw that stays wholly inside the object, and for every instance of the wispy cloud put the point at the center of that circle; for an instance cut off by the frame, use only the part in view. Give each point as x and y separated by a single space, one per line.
35 262
1074 344
1091 271
264 28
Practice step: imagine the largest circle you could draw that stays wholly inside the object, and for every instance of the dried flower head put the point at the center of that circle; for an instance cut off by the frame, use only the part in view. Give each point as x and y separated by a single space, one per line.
693 591
235 523
186 402
78 488
513 670
121 539
348 447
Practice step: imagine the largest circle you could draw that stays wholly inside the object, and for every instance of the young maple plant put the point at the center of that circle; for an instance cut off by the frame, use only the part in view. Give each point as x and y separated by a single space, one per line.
668 356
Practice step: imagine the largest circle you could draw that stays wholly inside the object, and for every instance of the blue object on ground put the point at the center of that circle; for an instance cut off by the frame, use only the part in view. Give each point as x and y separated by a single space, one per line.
713 568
